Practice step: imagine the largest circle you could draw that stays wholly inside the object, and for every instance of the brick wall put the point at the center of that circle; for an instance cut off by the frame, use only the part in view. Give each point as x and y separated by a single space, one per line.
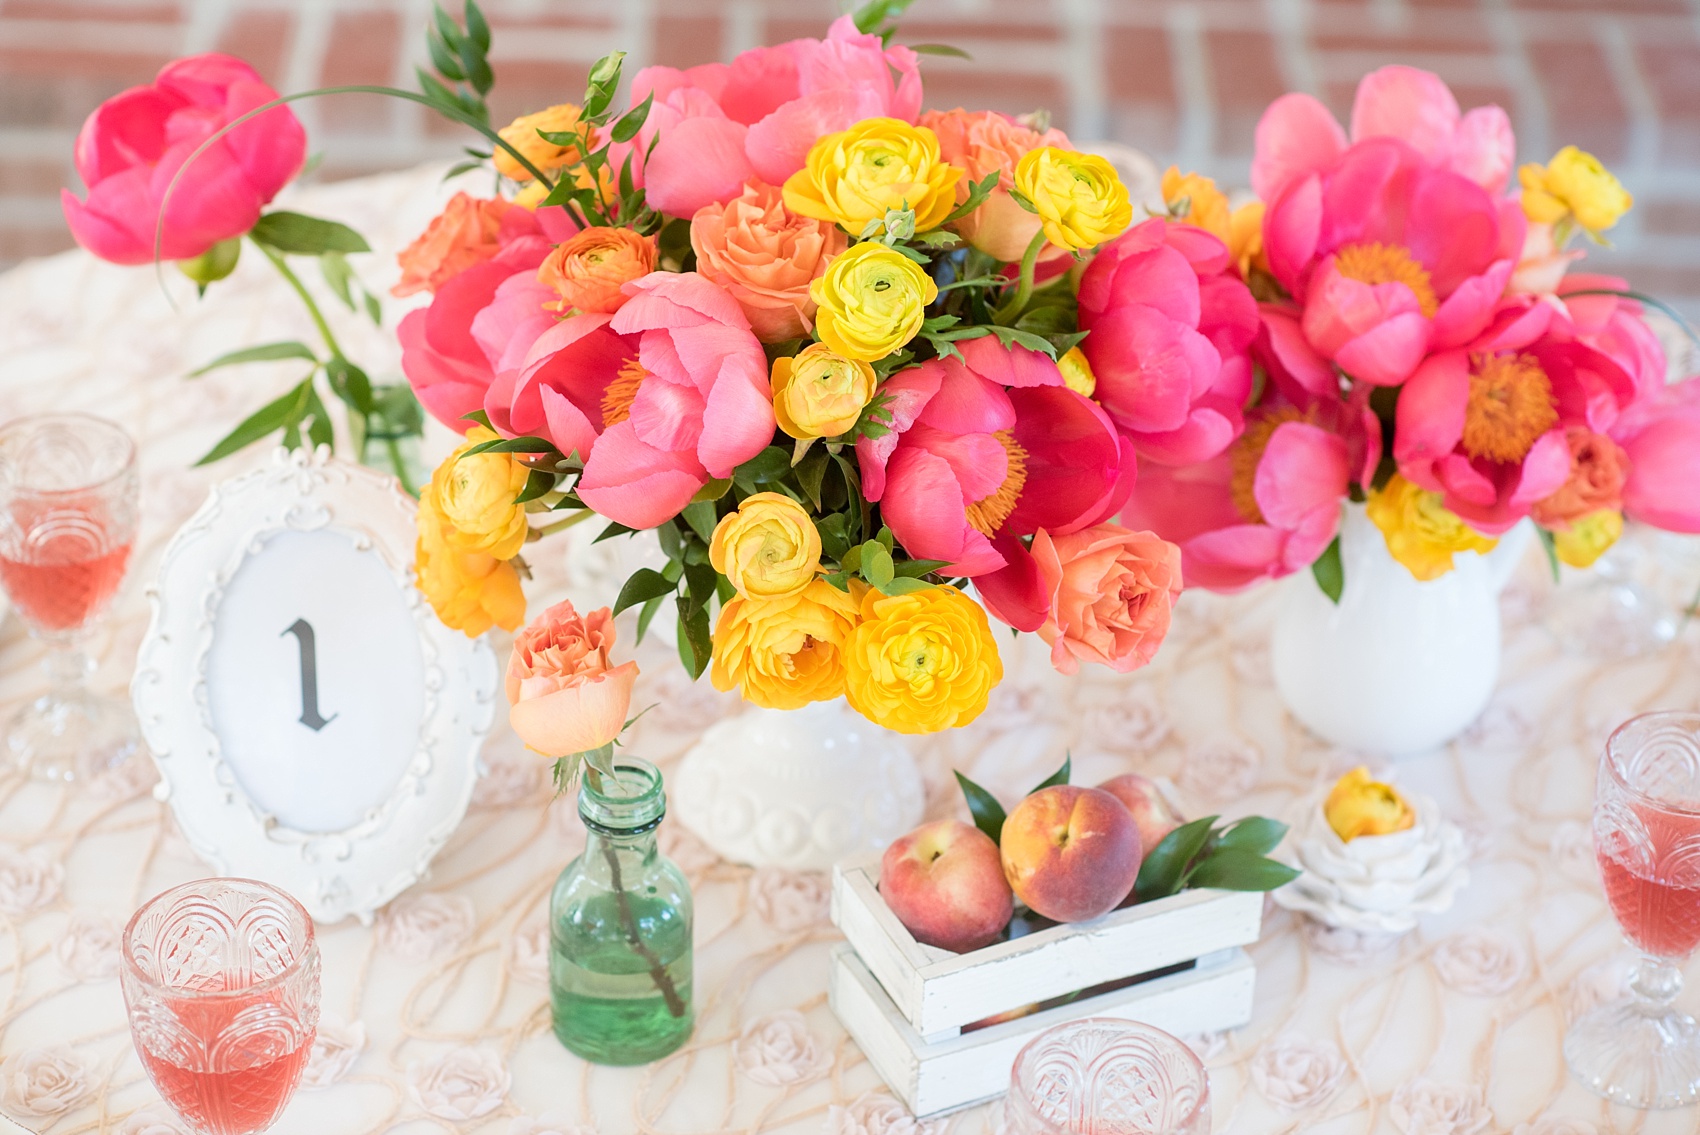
1183 79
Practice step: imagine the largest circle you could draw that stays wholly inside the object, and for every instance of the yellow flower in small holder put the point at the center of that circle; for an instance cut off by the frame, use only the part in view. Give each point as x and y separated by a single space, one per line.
1359 806
1573 184
1421 532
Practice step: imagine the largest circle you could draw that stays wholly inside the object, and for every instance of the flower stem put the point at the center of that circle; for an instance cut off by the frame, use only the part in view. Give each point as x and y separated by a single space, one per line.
318 317
560 525
1011 308
657 971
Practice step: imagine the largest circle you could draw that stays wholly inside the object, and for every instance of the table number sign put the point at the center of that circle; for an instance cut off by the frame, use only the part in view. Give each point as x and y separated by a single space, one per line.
314 724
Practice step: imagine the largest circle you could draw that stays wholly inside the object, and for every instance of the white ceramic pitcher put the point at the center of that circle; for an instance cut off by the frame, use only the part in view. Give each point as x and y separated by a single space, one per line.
1399 666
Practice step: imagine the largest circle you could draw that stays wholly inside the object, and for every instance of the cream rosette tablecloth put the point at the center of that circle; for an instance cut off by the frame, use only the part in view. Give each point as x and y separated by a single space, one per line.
436 1017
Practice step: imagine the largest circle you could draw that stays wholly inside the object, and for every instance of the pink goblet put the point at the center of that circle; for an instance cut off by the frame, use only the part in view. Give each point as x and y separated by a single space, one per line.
1101 1076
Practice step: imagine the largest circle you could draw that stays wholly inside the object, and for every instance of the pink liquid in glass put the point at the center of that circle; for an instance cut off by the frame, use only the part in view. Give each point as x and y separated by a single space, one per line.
1658 908
229 1103
66 569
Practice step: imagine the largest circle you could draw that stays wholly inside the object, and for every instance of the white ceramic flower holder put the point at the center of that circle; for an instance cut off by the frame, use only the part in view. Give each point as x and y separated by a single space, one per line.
906 1004
1375 884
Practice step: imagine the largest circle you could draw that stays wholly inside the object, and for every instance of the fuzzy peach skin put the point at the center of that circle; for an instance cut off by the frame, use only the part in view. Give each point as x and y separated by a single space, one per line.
1071 853
1152 812
945 884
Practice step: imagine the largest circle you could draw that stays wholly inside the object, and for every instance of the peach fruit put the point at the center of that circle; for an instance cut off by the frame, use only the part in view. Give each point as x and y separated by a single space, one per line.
944 882
1071 853
1151 810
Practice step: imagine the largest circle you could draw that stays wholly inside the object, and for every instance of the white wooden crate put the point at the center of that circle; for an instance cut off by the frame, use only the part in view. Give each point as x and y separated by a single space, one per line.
937 992
945 1075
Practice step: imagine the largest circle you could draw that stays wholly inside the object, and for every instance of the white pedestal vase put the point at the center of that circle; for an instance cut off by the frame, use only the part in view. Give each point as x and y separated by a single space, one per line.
800 789
1399 666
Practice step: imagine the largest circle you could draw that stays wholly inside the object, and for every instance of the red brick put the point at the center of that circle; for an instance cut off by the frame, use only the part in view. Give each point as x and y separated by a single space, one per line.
1136 66
956 34
114 69
261 37
21 243
685 41
162 13
35 176
1673 71
1246 79
1671 218
1471 96
362 48
947 88
1617 7
1586 108
523 86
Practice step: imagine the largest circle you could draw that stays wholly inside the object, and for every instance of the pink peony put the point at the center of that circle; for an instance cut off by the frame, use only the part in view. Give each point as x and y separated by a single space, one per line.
134 143
565 694
987 449
1662 440
1169 335
666 393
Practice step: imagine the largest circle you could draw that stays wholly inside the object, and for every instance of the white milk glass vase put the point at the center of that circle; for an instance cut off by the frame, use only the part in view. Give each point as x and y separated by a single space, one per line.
1398 666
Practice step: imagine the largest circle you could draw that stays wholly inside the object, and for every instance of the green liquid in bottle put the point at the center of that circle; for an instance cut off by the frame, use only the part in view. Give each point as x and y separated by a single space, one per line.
608 1007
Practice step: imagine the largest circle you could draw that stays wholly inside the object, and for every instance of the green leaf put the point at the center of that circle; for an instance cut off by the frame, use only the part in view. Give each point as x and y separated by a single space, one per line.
309 236
442 96
604 78
442 58
877 567
477 68
978 191
350 384
1056 778
262 354
1160 874
334 267
851 560
1330 573
643 585
538 483
984 807
701 517
632 121
1237 869
918 568
902 585
939 49
713 490
319 430
696 644
833 540
1549 545
477 28
1256 834
374 310
771 464
615 528
647 615
811 473
478 416
272 416
511 445
701 581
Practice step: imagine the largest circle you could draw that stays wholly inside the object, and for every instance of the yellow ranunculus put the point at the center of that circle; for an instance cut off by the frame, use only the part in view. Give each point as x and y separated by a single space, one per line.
879 165
1422 533
1574 183
1587 538
522 135
1359 806
768 549
1080 200
921 662
870 301
475 498
1245 238
1077 372
470 591
785 653
1207 206
817 393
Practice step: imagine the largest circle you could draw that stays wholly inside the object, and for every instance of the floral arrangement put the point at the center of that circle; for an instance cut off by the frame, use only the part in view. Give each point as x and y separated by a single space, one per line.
829 349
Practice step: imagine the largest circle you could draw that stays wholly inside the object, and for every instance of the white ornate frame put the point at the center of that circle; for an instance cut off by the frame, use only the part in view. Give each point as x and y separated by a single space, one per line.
334 874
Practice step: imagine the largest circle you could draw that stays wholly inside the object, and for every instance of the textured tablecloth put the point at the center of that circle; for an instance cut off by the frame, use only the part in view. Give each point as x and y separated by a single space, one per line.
436 1017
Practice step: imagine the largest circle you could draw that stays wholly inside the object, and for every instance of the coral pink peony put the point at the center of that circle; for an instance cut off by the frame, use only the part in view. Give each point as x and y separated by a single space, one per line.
465 233
765 256
134 144
1662 439
1169 335
667 392
989 448
565 695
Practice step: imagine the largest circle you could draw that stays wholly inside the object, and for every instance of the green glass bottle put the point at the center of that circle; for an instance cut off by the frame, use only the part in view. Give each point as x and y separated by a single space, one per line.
620 927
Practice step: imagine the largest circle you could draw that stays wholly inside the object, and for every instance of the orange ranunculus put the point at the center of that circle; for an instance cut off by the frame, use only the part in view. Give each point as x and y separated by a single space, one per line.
1598 469
462 235
980 142
765 255
1111 591
565 694
588 271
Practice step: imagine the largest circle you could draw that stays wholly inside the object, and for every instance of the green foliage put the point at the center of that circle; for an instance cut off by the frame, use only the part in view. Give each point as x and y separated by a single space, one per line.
1549 545
303 235
461 58
1232 857
1330 573
266 352
984 807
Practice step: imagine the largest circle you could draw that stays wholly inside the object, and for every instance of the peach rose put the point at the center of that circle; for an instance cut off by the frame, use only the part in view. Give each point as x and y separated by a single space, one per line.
1598 469
765 255
566 695
1111 591
462 235
980 142
588 271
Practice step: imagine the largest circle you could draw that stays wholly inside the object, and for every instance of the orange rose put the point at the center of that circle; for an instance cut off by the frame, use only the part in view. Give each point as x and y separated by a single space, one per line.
565 694
1598 469
765 255
1111 591
588 270
981 142
462 235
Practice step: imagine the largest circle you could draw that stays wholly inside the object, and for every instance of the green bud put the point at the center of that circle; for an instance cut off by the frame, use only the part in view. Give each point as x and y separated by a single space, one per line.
215 263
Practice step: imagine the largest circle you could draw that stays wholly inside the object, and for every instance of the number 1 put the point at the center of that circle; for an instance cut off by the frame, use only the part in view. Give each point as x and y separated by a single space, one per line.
303 632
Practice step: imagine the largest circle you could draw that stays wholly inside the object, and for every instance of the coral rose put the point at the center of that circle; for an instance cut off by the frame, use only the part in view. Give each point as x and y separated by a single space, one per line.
787 652
921 662
565 694
879 165
1080 199
475 498
819 394
463 234
522 134
765 256
1111 593
1598 469
470 591
768 549
872 300
980 143
589 270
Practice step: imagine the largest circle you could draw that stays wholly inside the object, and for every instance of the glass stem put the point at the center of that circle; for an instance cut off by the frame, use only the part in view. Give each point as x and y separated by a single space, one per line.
67 669
1655 983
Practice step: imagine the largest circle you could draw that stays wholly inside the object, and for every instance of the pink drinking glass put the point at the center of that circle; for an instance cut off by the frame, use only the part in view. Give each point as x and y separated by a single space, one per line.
1100 1076
221 977
1640 1050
